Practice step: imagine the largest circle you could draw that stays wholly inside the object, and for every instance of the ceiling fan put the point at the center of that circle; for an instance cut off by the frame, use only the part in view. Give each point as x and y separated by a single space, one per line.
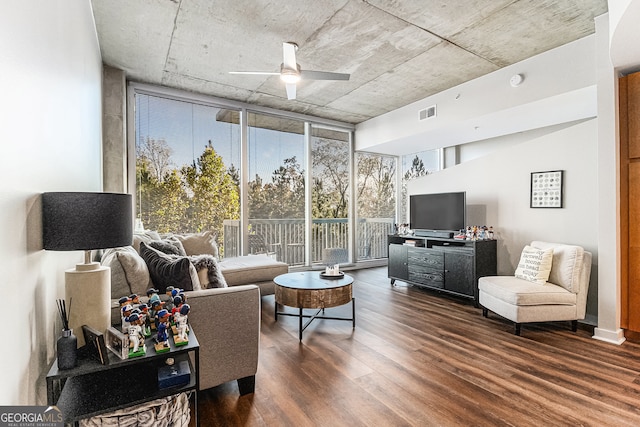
291 73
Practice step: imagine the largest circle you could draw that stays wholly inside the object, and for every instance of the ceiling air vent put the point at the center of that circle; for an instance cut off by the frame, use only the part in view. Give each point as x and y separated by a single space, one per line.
427 113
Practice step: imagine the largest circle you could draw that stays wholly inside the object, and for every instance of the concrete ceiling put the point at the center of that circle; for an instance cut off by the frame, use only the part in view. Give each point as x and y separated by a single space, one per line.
397 51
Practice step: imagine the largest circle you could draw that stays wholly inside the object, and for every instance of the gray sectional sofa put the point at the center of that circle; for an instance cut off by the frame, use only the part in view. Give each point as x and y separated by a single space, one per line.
225 303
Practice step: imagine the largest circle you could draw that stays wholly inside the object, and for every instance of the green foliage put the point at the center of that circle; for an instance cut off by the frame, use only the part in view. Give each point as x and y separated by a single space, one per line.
214 194
283 197
201 196
330 191
416 170
376 186
196 198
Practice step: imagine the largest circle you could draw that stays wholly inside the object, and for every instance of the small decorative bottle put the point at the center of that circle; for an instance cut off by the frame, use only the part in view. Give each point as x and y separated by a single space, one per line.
66 348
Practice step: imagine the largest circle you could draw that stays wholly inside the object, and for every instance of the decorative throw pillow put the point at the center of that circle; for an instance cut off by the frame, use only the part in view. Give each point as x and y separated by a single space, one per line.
119 285
144 236
199 243
135 269
169 271
535 264
168 246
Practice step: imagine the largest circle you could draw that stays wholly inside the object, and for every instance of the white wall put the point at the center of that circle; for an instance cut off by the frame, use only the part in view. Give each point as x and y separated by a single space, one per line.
623 31
50 140
498 184
477 149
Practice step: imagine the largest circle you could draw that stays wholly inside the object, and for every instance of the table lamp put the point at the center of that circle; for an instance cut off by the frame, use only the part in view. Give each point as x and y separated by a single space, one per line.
74 221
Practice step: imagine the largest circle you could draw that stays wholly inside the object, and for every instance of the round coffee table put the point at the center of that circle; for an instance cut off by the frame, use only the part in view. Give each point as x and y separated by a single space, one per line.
306 289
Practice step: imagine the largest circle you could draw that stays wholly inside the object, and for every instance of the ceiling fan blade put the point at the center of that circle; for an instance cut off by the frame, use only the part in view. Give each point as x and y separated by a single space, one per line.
291 91
259 73
289 55
323 75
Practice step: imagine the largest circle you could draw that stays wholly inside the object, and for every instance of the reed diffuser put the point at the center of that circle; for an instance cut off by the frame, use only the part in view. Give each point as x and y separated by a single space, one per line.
67 344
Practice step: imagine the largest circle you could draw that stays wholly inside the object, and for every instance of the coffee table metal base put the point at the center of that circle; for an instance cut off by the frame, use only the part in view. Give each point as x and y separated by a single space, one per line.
312 317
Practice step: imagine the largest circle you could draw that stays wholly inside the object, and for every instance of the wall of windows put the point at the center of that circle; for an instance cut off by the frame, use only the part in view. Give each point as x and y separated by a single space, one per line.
330 196
276 187
264 181
376 192
187 160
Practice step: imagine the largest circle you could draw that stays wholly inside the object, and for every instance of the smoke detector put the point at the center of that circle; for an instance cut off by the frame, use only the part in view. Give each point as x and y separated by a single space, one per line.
516 80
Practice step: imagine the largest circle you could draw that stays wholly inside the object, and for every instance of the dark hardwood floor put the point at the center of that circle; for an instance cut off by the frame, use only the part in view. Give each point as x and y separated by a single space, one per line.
418 358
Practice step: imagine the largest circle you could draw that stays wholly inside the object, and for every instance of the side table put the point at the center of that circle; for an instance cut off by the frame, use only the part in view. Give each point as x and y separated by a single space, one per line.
92 389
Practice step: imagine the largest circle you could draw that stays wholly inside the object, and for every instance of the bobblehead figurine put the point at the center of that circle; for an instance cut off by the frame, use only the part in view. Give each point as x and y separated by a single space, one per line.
175 312
169 300
126 312
145 319
156 306
180 318
162 337
136 339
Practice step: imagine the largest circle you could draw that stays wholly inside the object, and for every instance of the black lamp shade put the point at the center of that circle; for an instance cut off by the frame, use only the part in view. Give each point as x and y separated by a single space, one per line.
84 221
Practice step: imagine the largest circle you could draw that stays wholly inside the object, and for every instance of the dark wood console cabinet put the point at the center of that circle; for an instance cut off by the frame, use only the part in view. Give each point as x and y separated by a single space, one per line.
448 265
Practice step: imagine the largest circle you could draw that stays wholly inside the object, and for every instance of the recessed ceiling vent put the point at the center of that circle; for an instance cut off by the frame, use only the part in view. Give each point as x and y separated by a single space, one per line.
427 113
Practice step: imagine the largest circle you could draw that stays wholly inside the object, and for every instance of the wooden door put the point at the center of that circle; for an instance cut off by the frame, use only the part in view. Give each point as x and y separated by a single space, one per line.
629 96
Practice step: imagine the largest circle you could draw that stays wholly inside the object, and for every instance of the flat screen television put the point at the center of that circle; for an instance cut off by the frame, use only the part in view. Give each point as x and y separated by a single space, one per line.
438 211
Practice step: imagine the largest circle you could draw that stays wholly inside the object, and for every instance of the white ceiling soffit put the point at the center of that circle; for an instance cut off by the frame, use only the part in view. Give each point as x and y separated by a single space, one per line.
397 52
564 108
625 48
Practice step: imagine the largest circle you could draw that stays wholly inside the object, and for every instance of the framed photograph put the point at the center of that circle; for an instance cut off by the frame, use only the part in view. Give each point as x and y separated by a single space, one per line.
117 342
546 189
95 344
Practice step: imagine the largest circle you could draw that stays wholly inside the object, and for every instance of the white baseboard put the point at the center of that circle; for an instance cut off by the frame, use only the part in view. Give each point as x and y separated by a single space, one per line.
613 337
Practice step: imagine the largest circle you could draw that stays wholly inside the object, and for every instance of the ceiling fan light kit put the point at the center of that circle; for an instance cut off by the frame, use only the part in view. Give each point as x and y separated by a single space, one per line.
289 76
291 73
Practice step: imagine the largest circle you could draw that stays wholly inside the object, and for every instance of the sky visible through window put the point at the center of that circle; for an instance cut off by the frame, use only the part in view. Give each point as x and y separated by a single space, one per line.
188 127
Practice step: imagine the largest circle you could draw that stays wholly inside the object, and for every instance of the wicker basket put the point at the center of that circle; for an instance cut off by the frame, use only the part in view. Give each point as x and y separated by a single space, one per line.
169 411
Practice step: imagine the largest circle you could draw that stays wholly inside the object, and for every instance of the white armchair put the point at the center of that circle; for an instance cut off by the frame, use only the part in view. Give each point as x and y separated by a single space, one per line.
563 297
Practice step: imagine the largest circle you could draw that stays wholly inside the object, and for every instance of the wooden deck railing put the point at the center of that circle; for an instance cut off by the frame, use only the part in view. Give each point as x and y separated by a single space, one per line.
284 238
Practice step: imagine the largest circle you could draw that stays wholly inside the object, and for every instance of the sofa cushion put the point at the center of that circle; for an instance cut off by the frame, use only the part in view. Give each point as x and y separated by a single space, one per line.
251 269
535 265
515 291
167 271
199 243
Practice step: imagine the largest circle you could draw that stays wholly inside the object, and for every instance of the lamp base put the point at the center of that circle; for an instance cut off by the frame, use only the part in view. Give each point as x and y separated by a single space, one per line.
88 295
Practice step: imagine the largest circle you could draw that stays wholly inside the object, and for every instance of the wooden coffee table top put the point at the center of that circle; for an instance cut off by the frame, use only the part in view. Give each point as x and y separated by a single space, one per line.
306 289
310 280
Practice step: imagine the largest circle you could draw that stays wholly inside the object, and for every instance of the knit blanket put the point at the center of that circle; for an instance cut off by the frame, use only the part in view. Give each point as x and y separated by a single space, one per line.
216 279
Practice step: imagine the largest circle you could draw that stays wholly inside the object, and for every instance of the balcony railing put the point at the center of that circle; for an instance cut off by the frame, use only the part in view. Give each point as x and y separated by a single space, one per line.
284 238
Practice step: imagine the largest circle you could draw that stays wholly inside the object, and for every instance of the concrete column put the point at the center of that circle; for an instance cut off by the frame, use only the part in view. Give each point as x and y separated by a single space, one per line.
114 145
607 263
